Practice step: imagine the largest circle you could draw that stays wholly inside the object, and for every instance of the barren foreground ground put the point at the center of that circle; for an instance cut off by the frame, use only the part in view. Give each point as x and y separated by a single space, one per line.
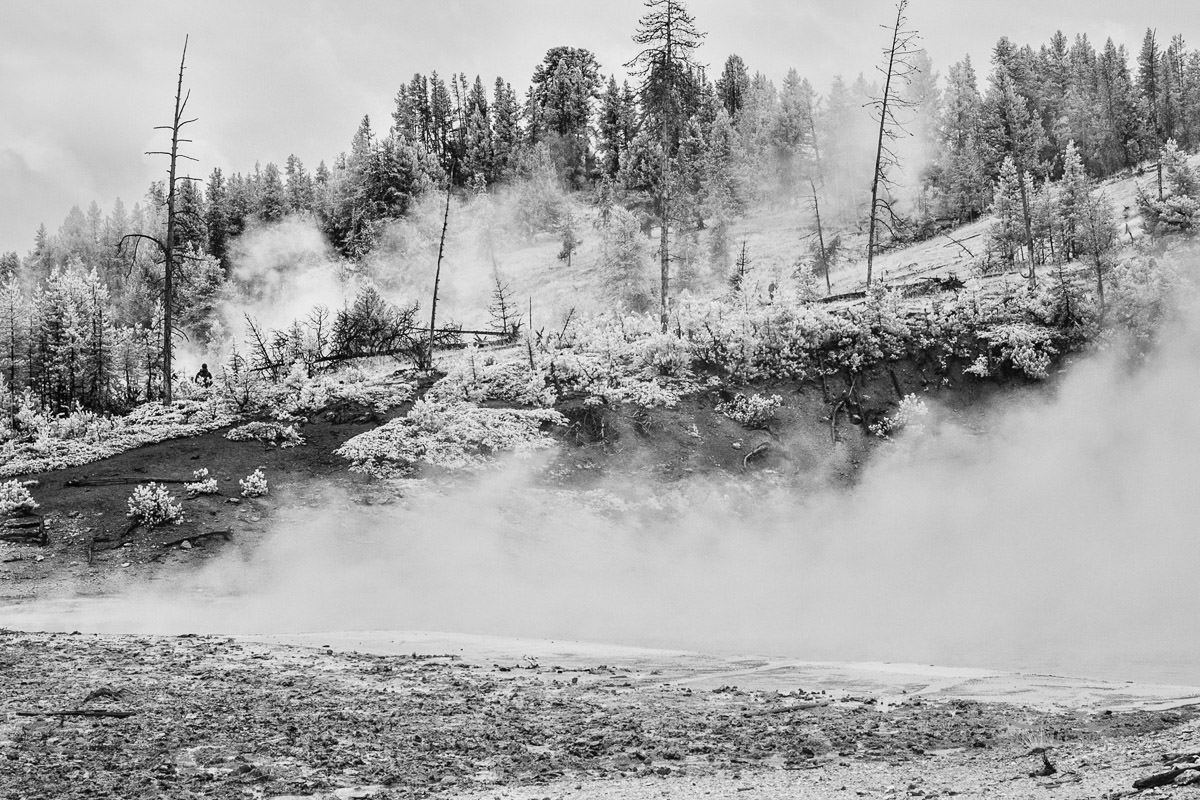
180 717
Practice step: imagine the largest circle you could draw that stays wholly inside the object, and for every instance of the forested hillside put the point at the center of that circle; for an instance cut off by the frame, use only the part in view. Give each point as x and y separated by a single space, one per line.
643 177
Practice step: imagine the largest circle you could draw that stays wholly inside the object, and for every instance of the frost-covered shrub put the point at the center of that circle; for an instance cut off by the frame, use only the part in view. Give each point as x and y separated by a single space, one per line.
268 432
645 393
1140 294
151 504
452 436
1028 348
254 484
14 496
664 354
201 483
46 443
755 411
909 416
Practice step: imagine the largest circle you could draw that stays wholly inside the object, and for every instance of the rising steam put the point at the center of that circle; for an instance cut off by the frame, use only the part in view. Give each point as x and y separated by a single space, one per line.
1062 537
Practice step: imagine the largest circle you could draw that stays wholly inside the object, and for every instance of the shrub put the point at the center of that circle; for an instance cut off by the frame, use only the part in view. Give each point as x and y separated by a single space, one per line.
14 496
254 484
755 411
201 483
269 432
1026 347
151 505
448 435
910 415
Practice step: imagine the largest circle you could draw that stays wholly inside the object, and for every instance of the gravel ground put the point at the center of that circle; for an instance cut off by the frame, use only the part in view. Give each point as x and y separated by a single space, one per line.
218 717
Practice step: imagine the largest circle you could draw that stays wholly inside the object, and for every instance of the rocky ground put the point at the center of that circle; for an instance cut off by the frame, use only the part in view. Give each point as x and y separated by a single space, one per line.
179 717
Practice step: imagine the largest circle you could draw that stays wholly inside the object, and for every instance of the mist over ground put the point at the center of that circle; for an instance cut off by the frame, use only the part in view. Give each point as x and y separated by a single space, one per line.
1061 537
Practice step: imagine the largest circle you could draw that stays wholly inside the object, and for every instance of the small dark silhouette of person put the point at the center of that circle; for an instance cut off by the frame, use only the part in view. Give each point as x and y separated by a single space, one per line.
204 377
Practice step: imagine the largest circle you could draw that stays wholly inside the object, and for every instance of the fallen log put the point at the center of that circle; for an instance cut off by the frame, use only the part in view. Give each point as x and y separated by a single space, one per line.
120 480
78 712
28 529
1158 779
760 449
226 534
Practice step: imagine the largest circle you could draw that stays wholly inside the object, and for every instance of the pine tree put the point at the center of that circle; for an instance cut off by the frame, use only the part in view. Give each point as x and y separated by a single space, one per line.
1150 88
562 92
668 36
506 133
1075 189
1012 132
623 261
962 174
1121 131
733 85
1008 233
616 127
299 194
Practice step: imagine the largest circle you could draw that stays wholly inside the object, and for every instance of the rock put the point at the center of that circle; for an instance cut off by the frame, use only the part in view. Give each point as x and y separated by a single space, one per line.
186 545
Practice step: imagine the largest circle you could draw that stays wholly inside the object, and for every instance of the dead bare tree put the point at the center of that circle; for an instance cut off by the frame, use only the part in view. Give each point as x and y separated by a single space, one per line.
898 70
167 247
437 275
822 253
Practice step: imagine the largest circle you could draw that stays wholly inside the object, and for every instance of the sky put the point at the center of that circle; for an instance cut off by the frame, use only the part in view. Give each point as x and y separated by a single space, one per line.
83 83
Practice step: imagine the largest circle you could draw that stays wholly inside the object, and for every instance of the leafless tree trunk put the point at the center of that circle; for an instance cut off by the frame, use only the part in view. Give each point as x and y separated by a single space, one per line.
437 275
167 247
898 68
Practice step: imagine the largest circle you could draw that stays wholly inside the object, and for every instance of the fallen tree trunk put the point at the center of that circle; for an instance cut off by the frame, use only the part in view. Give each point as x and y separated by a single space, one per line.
1159 779
29 529
227 535
78 712
121 480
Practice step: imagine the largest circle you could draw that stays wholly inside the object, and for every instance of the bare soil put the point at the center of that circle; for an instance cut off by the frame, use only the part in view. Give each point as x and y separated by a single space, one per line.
218 717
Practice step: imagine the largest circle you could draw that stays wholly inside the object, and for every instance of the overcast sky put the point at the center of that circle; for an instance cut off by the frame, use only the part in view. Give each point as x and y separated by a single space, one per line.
82 83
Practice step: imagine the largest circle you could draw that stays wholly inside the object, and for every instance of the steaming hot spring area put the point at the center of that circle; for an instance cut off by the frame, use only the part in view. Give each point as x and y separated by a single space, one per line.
617 443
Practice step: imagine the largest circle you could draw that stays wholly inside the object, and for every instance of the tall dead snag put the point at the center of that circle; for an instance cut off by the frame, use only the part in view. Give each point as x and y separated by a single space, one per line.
437 275
897 70
822 253
167 247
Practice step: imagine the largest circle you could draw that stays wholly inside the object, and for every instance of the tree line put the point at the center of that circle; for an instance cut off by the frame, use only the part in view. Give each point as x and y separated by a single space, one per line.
676 150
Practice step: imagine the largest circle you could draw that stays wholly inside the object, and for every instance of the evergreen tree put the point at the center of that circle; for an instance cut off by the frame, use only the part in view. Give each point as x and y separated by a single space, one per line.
562 92
1010 131
506 132
217 217
1008 233
1118 108
733 85
616 127
623 261
669 38
299 193
1150 88
1075 189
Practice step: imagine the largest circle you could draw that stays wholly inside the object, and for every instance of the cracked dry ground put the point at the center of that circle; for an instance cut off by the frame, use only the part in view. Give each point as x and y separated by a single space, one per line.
216 717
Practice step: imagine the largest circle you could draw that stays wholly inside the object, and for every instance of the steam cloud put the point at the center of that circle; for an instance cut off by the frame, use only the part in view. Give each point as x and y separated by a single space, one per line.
1061 538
